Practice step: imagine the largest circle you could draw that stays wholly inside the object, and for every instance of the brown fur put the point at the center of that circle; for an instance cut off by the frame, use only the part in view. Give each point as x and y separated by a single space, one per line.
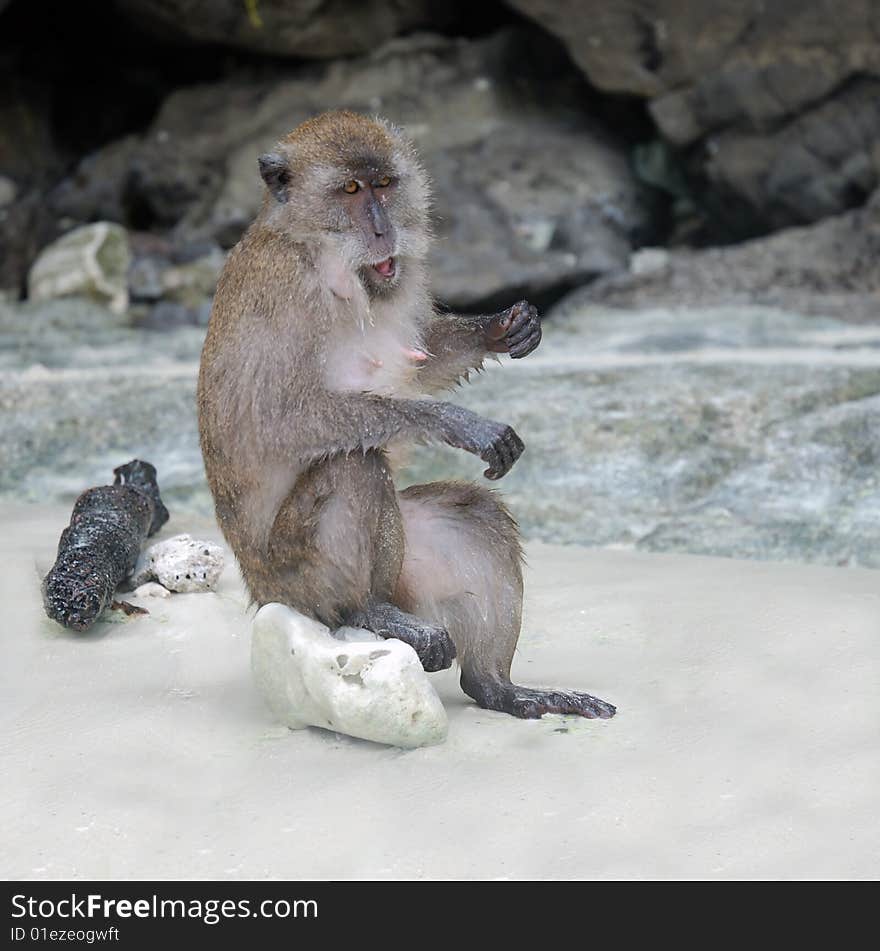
313 367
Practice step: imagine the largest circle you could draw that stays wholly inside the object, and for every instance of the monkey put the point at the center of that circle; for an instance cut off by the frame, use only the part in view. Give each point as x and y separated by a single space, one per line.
324 353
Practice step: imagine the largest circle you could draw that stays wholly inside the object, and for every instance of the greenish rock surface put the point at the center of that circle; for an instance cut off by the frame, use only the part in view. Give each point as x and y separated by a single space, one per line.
746 432
81 392
742 431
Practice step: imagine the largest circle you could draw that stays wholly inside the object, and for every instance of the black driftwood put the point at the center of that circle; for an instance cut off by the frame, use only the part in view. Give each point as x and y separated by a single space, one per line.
100 546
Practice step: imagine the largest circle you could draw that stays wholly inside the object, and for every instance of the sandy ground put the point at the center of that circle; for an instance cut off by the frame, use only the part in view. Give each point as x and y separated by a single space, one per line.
746 743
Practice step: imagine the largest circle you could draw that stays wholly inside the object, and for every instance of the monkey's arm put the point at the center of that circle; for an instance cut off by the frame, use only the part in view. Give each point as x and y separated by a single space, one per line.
350 422
457 344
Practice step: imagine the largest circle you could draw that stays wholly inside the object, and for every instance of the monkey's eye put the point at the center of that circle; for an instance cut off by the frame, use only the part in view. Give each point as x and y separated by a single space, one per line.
383 182
351 186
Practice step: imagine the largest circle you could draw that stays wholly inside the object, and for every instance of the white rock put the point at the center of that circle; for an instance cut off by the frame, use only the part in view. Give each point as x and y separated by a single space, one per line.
151 589
353 685
649 261
8 191
91 261
181 563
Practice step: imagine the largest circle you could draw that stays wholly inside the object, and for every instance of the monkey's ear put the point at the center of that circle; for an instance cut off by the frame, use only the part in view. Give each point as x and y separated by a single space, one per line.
276 174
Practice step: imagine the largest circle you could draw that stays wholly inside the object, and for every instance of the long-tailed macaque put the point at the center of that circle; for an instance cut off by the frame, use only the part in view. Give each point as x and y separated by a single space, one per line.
322 345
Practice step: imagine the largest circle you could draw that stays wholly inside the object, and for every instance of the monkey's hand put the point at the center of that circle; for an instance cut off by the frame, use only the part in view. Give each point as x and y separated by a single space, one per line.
516 331
501 447
495 443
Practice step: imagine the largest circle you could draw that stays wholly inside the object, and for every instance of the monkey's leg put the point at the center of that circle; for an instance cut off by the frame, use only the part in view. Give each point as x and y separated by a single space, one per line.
462 569
336 543
432 643
335 553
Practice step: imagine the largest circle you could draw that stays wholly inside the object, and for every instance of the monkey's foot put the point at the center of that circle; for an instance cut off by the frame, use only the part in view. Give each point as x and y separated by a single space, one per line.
432 644
530 704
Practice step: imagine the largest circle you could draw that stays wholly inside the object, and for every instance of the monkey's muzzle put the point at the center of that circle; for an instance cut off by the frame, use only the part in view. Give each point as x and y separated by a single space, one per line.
386 269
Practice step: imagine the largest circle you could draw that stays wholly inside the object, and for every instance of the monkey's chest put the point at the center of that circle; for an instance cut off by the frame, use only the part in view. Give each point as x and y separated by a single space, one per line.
375 359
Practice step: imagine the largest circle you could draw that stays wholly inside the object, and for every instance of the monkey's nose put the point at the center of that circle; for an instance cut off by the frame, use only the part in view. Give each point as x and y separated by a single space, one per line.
378 219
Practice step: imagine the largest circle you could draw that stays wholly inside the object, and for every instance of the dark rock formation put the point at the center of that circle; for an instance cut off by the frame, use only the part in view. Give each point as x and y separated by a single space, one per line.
831 269
303 28
765 90
530 194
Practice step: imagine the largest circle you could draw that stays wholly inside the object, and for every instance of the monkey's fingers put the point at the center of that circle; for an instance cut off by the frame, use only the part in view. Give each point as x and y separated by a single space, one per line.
499 465
525 346
503 453
521 316
495 468
509 325
525 336
581 704
517 445
523 325
517 310
531 704
438 653
433 645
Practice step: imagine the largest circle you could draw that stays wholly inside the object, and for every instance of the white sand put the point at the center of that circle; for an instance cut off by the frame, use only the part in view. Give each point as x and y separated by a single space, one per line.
746 743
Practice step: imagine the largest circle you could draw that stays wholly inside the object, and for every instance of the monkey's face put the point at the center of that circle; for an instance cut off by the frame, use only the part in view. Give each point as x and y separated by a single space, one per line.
378 221
369 235
353 183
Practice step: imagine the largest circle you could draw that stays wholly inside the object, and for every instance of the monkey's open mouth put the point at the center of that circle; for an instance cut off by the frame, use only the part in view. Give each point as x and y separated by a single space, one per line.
386 268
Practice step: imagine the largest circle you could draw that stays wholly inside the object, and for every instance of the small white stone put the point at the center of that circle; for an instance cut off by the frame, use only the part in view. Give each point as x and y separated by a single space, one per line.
537 233
151 589
182 563
8 191
91 261
649 261
351 685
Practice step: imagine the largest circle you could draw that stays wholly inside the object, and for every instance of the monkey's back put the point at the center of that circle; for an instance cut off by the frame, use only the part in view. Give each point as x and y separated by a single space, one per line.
244 386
